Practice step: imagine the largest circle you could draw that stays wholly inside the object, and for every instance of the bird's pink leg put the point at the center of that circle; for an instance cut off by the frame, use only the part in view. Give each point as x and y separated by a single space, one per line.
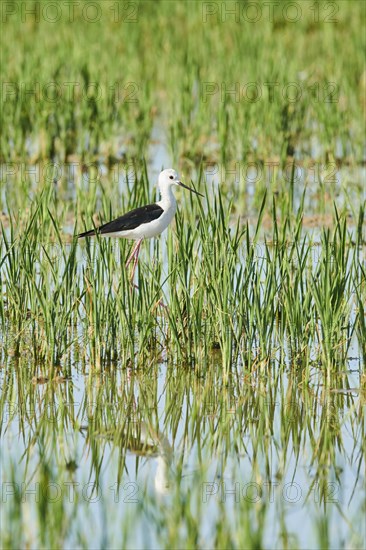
134 255
135 248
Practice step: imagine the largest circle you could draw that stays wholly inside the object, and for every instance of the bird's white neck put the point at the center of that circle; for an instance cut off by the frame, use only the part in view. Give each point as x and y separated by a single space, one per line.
167 198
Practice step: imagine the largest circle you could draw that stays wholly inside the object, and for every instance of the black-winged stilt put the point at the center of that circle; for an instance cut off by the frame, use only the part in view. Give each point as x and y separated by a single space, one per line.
147 221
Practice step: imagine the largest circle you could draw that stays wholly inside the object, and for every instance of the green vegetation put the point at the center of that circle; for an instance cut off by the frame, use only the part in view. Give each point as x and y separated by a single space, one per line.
233 417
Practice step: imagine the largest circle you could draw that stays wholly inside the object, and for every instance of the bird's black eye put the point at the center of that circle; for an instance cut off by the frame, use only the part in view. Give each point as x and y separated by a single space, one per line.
171 177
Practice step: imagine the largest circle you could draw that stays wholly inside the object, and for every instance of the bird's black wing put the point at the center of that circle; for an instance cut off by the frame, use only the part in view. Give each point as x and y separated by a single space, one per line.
128 221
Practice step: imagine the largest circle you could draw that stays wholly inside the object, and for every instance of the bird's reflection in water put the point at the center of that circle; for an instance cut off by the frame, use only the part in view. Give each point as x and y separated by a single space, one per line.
148 442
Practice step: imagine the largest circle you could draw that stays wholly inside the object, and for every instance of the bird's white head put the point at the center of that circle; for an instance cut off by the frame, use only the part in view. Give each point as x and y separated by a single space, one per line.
170 177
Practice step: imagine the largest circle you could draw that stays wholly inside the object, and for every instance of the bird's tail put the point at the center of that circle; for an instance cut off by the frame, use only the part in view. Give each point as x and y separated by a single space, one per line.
87 233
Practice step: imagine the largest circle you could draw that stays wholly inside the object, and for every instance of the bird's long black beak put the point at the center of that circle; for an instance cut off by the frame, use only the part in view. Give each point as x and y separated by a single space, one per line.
190 189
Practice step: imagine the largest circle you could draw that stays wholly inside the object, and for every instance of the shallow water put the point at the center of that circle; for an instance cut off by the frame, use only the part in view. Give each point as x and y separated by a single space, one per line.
225 478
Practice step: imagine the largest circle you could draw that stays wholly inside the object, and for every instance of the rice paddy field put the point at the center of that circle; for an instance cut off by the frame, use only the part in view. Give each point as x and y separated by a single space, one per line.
232 416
